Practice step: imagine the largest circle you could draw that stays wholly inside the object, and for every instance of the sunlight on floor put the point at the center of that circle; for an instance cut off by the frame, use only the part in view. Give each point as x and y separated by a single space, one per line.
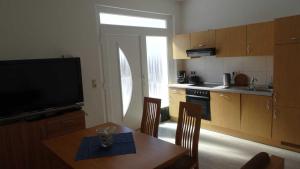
221 151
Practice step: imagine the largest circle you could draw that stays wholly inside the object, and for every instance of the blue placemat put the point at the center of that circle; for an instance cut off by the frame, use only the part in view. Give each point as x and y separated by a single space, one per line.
90 147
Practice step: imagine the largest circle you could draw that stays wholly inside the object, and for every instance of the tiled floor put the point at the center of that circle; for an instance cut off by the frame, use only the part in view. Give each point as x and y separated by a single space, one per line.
219 151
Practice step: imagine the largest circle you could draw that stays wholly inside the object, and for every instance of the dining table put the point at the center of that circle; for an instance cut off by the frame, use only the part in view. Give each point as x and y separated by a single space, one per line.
150 153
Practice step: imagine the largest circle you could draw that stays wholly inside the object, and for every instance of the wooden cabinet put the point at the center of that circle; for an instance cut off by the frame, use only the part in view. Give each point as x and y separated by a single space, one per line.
225 110
176 96
12 151
287 30
286 126
204 39
231 41
286 82
260 39
181 43
21 142
256 112
287 75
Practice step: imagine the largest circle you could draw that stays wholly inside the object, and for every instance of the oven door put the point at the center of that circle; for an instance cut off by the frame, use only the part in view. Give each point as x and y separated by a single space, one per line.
204 102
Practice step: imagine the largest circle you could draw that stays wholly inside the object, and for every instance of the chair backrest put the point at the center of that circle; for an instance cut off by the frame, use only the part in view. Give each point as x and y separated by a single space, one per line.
151 116
188 127
263 161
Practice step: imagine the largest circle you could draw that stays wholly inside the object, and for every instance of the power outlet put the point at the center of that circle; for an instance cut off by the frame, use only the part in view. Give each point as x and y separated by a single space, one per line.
94 83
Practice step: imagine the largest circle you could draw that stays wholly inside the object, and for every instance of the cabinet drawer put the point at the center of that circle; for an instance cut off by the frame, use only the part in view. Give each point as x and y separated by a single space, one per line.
177 91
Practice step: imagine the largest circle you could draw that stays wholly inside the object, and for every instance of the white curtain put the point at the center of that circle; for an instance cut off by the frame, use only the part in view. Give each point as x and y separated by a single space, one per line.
157 62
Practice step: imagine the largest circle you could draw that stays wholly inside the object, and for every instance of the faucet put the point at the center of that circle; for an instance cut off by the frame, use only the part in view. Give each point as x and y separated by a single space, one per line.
252 83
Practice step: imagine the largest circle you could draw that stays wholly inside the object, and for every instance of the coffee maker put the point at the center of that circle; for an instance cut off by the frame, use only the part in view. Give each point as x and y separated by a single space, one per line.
181 77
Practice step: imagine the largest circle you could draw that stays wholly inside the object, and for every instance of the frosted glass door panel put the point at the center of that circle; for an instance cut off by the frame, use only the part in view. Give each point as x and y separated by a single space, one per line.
157 65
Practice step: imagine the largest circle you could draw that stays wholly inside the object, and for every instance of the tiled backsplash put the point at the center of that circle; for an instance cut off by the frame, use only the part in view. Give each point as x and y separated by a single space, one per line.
211 68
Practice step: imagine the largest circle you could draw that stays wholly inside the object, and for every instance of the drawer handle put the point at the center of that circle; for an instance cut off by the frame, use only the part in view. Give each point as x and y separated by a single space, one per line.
201 45
226 97
293 38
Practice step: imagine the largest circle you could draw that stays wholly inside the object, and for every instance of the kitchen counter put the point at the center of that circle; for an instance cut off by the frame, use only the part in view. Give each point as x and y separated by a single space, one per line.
241 90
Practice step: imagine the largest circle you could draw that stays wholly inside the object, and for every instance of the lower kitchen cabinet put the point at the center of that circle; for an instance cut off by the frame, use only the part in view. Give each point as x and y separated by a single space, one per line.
225 110
256 115
176 96
286 126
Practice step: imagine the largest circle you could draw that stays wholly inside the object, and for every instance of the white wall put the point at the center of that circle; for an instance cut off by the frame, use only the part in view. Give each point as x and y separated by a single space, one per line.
50 28
210 14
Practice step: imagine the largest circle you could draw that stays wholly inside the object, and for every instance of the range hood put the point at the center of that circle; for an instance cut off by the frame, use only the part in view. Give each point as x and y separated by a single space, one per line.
194 53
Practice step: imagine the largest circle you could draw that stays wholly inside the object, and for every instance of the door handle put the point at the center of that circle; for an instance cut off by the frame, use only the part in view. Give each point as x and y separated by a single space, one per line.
275 114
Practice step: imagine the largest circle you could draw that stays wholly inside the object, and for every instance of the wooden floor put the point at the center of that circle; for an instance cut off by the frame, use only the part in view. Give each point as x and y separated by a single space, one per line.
219 151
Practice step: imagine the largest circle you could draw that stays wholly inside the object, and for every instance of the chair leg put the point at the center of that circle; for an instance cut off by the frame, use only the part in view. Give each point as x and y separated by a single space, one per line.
196 166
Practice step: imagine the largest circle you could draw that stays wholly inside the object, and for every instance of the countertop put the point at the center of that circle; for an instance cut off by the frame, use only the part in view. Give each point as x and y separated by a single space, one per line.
241 90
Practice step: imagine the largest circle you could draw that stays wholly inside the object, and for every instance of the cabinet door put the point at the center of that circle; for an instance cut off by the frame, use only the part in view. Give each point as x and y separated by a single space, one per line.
205 39
12 150
256 112
260 39
287 30
225 109
231 41
181 43
286 126
176 96
287 75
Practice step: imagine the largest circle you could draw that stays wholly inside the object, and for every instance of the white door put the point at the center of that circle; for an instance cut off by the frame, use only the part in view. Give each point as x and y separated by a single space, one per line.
124 77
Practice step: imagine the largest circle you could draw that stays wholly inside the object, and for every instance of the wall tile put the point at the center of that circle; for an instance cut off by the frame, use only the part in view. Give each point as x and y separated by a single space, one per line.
211 68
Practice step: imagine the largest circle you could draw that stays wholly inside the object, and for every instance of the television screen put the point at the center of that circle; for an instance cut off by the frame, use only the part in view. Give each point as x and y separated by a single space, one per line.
31 85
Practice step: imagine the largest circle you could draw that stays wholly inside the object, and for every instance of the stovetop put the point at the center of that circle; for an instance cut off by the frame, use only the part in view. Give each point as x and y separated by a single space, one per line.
206 85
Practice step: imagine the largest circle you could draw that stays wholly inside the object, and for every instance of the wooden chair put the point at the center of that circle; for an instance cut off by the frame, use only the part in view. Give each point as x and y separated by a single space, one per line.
187 134
264 161
151 116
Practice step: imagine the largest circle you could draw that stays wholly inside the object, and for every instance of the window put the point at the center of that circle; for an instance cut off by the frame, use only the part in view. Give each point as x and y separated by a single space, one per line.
157 63
126 20
126 81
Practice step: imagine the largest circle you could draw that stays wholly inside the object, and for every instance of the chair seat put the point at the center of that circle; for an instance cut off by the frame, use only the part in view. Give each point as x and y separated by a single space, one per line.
185 162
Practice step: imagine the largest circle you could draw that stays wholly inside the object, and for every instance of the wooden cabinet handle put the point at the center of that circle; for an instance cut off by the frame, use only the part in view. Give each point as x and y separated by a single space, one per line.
275 98
293 38
225 96
201 45
248 49
275 115
268 105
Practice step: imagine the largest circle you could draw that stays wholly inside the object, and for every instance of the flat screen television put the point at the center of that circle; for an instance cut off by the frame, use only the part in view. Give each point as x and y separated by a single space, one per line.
39 84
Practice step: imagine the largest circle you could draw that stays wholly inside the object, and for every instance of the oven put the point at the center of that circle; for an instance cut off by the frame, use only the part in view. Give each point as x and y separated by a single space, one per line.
201 97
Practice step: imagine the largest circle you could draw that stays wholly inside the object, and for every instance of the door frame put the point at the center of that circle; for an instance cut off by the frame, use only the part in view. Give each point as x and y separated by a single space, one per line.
128 30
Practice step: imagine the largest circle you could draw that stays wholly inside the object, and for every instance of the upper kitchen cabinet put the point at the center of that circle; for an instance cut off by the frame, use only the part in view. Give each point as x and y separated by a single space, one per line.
205 39
287 30
181 43
231 41
260 39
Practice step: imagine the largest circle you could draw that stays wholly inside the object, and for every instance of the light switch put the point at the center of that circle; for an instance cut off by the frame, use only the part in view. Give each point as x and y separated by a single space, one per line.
94 83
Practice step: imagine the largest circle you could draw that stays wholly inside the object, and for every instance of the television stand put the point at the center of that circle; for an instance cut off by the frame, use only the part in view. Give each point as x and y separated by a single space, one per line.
21 142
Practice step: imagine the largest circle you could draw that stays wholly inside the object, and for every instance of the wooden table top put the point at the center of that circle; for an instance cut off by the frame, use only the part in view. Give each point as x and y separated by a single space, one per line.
150 152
